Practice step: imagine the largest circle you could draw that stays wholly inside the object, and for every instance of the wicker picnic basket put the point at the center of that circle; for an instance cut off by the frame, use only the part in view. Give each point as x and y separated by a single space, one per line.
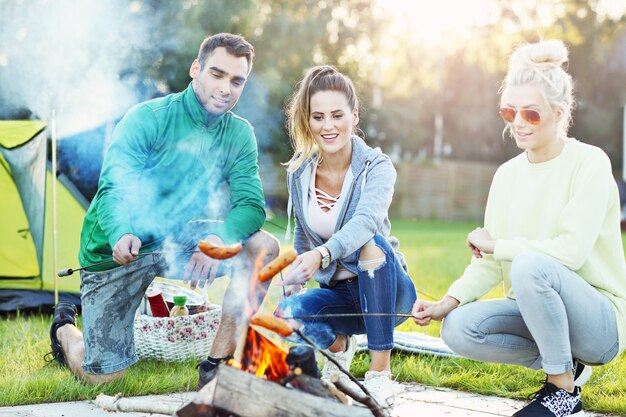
176 338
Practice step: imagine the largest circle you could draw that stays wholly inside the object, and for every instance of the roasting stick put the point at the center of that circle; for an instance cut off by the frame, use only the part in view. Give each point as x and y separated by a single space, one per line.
69 271
330 315
54 205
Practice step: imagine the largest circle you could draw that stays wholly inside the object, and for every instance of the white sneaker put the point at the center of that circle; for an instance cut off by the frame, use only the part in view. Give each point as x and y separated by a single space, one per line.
344 359
380 385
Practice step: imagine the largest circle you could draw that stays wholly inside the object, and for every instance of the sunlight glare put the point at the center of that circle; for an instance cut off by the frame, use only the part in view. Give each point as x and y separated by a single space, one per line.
431 22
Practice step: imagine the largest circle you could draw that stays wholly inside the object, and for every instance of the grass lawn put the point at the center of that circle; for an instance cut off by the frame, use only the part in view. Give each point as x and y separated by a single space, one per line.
437 256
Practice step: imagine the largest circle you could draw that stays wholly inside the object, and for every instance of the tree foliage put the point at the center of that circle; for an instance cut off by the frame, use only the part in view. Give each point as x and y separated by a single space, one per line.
404 83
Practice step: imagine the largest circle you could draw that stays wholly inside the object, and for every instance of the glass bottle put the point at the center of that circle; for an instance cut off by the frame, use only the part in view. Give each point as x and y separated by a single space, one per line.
179 308
158 307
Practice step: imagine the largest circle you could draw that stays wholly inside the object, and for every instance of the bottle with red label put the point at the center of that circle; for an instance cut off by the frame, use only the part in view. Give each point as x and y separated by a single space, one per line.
157 304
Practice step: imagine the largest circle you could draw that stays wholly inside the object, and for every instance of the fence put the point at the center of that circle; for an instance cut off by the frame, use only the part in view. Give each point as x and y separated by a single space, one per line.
448 190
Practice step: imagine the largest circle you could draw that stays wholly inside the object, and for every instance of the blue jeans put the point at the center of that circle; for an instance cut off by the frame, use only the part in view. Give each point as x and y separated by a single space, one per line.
556 316
385 289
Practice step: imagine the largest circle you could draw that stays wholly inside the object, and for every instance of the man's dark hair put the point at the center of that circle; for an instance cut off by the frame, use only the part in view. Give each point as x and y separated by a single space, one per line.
235 45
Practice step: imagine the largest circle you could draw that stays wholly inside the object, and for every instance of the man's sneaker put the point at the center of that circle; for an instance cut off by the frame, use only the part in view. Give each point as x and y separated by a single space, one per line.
551 401
208 368
64 313
380 386
344 359
582 372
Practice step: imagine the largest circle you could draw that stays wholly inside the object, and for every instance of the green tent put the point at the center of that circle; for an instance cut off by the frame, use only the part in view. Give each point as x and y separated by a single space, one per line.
26 232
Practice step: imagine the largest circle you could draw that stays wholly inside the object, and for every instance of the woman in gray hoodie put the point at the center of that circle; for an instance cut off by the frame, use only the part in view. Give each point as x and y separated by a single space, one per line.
340 190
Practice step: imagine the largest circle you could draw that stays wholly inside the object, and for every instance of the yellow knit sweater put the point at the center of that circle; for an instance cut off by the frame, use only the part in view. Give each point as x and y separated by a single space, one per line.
567 208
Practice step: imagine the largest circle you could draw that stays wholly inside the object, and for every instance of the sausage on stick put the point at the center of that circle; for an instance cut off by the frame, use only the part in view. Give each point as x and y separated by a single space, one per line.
273 323
281 262
217 251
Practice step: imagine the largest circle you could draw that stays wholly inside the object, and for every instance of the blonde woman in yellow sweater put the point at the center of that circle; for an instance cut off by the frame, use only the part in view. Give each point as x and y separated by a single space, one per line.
552 235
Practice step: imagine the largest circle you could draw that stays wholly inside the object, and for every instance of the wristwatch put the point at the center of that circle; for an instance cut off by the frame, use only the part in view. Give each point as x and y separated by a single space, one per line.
323 250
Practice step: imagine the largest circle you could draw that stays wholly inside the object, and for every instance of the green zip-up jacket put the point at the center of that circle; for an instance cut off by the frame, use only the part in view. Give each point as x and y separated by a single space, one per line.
169 162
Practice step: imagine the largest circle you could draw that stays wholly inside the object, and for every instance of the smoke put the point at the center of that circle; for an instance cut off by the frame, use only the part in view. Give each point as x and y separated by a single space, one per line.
67 56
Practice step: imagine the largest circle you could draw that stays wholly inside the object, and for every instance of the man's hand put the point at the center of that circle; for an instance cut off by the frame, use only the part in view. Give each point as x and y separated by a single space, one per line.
425 311
201 268
480 241
303 268
126 249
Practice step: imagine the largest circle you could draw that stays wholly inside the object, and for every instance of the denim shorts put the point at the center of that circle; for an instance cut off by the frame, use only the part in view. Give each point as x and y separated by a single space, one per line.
109 301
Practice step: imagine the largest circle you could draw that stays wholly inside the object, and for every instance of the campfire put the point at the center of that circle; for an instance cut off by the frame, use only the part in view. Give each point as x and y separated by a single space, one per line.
265 378
263 358
273 381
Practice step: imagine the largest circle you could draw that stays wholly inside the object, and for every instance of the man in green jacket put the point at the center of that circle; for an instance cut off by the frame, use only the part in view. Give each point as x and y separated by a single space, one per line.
172 161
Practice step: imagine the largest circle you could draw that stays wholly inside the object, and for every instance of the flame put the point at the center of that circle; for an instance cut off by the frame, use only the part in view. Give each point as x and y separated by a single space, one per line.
263 358
255 353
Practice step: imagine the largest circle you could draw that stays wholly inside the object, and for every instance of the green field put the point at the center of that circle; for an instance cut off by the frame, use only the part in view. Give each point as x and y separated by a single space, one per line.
437 256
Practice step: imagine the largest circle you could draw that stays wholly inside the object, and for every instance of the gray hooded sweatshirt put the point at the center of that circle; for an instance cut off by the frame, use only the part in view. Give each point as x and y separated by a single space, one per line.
364 209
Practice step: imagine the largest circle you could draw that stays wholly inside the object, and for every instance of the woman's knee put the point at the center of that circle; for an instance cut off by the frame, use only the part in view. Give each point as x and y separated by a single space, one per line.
291 306
526 268
450 328
373 254
456 330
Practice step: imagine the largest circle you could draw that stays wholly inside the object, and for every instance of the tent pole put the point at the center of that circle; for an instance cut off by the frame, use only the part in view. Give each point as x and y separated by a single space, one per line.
54 208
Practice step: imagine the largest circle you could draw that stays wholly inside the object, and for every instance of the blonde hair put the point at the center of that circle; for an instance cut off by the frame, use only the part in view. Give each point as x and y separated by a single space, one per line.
298 109
541 64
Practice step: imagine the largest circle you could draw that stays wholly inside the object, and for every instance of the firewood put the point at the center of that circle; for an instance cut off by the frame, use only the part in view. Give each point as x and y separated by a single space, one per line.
137 405
244 394
316 386
194 409
361 397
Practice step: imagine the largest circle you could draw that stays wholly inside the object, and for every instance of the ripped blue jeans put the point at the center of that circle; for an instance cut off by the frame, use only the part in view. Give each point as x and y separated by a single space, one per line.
387 288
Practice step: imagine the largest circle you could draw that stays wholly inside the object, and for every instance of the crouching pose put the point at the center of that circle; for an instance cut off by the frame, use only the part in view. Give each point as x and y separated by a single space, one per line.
552 233
166 166
340 190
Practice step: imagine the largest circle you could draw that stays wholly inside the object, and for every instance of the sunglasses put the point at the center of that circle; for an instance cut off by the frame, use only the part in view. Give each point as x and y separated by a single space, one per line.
530 116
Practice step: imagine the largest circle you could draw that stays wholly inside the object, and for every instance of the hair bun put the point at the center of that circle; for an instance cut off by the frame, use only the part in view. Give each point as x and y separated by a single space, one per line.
544 54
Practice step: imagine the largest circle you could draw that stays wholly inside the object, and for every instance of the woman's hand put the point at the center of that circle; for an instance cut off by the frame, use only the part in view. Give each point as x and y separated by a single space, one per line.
480 241
303 268
292 290
425 311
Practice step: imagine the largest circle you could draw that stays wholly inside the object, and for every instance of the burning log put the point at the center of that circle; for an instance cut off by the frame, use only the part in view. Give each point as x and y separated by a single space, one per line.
263 358
243 394
195 409
316 386
303 357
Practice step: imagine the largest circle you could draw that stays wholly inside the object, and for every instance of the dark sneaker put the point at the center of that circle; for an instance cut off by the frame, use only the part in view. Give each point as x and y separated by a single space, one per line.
64 313
582 372
208 368
551 401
